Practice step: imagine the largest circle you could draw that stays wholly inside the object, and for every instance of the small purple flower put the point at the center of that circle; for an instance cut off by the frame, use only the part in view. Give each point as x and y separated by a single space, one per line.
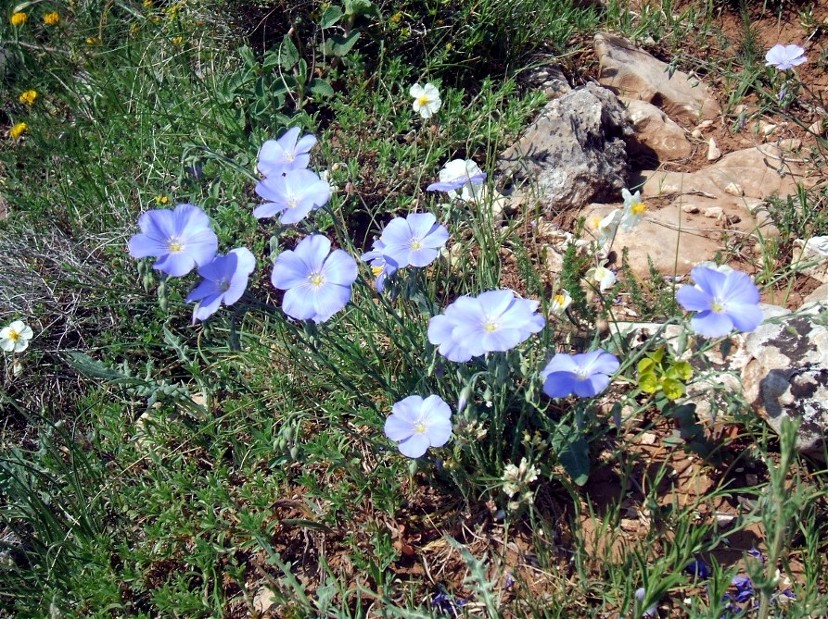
744 588
416 424
698 568
181 239
724 301
785 57
414 241
293 195
757 554
456 174
225 280
289 152
317 281
382 266
494 321
584 374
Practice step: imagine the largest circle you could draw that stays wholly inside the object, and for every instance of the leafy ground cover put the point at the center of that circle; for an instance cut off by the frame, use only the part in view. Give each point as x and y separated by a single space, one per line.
238 466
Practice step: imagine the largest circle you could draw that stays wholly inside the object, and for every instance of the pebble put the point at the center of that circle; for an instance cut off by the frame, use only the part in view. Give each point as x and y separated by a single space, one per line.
692 209
734 189
713 151
766 128
714 212
697 133
790 144
817 128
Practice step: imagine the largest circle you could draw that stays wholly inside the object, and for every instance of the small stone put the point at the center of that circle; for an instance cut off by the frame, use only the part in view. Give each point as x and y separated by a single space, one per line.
692 209
648 438
817 128
630 525
766 128
705 124
734 189
713 151
724 520
714 212
263 600
696 133
790 144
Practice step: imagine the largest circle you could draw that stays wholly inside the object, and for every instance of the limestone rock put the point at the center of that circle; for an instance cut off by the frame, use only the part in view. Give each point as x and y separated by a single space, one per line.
654 131
820 295
786 376
635 74
674 240
574 152
811 257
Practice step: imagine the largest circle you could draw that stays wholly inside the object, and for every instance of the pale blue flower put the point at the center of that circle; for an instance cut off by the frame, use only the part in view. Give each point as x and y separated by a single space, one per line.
456 174
225 280
382 266
785 57
289 152
317 281
414 241
416 424
494 321
181 239
292 195
724 301
584 375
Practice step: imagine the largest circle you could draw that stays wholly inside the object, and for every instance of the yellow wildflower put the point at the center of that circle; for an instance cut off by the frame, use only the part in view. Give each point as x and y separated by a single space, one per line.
147 4
51 19
28 97
178 41
18 18
92 40
162 199
17 130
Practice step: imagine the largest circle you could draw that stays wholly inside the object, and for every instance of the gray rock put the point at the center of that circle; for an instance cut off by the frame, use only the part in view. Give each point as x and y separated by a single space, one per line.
786 375
574 152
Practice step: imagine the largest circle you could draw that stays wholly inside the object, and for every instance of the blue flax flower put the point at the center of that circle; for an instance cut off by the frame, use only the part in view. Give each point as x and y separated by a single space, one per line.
292 195
416 424
317 281
785 57
382 266
650 611
494 321
414 241
289 152
744 588
697 568
724 301
456 174
225 280
181 239
585 374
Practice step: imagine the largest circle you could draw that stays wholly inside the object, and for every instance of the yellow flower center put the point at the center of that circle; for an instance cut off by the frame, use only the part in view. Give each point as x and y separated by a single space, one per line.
420 428
423 100
377 271
416 244
316 280
594 222
717 306
560 299
292 201
175 246
639 208
14 335
490 326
